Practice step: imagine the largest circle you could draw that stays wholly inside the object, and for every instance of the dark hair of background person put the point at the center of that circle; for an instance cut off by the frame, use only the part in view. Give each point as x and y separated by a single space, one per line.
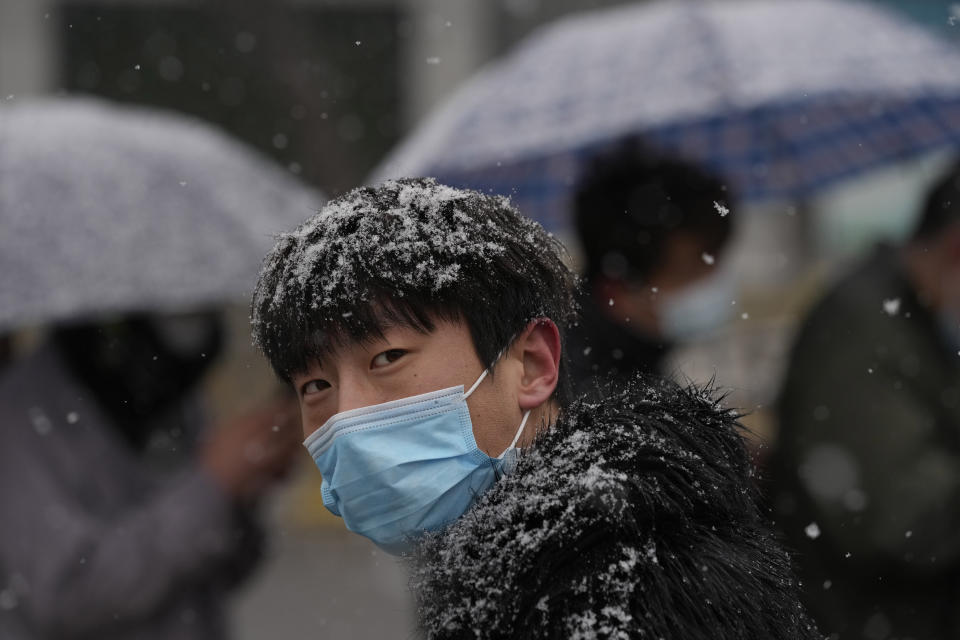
137 367
942 206
631 201
297 320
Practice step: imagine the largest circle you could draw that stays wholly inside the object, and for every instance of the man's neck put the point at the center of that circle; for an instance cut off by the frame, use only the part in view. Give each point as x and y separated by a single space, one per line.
541 418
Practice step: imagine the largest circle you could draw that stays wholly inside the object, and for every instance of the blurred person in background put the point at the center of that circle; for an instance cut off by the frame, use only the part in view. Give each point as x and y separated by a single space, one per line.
867 467
652 231
103 537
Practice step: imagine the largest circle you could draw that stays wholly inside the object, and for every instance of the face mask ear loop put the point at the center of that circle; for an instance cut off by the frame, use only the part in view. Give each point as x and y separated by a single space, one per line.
516 438
476 384
484 374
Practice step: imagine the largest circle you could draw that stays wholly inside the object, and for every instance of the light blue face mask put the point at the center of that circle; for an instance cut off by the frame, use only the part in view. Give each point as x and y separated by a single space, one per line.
395 470
698 309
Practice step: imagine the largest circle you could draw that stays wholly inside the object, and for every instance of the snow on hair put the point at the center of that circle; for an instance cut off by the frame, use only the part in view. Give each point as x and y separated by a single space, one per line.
407 251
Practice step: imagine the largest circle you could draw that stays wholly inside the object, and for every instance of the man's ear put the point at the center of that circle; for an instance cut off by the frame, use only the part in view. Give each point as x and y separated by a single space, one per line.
538 348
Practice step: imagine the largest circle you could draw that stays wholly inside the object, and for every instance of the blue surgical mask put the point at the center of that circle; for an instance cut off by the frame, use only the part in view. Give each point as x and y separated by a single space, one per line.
395 470
697 309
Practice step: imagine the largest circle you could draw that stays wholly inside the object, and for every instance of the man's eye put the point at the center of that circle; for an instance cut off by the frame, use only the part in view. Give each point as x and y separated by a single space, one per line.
387 357
314 386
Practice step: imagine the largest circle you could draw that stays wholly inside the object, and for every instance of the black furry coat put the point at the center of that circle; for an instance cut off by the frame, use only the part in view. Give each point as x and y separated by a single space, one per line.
635 517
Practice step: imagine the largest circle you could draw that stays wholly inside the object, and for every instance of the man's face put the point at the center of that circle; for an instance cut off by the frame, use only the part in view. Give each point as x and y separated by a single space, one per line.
405 363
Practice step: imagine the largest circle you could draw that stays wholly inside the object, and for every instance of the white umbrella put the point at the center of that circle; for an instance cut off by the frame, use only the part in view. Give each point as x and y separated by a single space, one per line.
779 97
106 208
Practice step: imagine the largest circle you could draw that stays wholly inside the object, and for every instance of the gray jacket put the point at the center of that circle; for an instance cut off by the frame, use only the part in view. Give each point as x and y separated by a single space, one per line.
93 542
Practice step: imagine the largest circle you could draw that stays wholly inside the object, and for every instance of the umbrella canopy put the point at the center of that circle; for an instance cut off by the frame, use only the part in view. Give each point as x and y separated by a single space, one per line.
111 209
779 98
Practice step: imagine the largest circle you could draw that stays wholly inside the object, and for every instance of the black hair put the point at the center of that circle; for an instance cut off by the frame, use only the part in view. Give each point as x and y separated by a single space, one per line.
631 200
136 368
409 252
942 206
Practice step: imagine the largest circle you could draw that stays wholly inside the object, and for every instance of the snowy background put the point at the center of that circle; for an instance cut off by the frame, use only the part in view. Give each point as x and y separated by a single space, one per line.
326 88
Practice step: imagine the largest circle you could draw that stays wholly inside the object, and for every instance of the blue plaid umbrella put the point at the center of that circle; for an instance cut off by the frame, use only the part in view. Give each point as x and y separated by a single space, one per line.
780 98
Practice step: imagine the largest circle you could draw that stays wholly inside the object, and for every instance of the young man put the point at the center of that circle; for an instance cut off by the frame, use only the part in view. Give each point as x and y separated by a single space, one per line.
422 327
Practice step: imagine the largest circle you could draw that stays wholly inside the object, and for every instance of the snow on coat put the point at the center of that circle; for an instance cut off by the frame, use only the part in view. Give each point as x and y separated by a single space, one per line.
633 517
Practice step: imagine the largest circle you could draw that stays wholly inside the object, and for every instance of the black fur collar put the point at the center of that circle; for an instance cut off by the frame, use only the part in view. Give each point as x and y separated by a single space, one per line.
635 517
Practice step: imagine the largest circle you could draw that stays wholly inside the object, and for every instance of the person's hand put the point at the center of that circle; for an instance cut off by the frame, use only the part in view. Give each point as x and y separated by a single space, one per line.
250 453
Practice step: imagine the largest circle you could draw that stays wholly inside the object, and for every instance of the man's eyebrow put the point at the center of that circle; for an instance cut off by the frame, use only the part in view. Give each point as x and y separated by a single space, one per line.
374 337
387 323
302 373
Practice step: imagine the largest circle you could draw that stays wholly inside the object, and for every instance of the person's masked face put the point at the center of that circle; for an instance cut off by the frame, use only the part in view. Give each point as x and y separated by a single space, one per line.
140 366
686 296
389 425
